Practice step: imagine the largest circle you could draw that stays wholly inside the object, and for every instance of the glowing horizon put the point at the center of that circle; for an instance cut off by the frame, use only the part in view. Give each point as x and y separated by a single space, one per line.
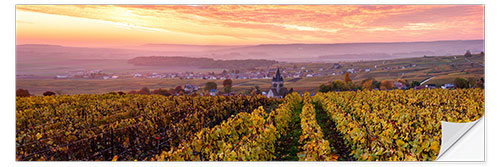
121 25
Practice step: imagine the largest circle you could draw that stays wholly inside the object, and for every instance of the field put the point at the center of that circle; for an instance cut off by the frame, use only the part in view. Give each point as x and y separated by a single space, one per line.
396 125
445 69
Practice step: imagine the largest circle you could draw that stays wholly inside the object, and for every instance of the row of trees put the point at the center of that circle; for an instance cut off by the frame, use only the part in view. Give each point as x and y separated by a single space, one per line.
165 92
347 84
26 93
469 83
371 83
227 86
179 90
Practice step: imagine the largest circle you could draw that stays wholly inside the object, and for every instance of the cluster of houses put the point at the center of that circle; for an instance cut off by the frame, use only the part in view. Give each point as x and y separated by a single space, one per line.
434 86
335 69
277 90
87 74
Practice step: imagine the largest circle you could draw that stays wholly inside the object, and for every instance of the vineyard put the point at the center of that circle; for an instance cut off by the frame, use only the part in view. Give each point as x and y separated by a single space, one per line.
396 125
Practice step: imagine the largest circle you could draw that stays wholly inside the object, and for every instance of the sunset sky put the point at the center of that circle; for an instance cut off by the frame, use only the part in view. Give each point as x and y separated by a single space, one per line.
120 25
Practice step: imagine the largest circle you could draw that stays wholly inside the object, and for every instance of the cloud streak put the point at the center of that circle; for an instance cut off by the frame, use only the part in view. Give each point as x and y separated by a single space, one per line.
257 24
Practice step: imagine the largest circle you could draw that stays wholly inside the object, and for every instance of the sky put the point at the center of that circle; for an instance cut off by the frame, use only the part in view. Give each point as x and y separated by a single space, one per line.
127 25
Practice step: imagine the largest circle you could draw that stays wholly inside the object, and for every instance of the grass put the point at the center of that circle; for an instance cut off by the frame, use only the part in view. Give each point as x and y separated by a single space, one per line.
288 145
331 134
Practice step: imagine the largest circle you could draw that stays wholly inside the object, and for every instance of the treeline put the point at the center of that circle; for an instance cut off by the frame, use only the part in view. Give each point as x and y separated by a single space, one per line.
200 62
371 83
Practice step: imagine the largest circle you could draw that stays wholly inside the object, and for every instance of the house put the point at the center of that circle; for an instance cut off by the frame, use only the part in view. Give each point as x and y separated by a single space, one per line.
399 85
367 70
448 86
188 88
213 92
336 66
137 75
350 70
430 86
277 86
62 76
418 87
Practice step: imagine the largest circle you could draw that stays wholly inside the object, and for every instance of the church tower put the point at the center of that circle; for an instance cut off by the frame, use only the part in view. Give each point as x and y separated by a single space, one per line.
277 82
278 89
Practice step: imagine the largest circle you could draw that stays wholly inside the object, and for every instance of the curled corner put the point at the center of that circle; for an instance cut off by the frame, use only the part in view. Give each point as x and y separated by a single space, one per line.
452 133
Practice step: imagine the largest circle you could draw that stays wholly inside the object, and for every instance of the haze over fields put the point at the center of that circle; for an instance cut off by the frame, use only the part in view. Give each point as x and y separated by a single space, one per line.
279 52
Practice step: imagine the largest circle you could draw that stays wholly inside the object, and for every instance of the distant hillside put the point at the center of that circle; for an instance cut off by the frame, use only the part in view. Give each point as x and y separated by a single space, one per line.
280 52
200 62
180 47
350 51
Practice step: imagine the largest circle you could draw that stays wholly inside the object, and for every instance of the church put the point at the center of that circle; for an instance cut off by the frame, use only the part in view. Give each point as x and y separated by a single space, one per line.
278 89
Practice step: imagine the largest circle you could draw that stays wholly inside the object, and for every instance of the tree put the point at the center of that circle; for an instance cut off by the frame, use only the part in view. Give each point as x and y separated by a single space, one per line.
22 93
132 92
461 82
468 54
49 93
144 91
164 92
481 54
350 86
347 79
210 86
324 88
367 84
160 91
178 89
401 81
414 84
480 83
472 83
121 93
376 84
227 82
338 85
227 89
255 91
385 84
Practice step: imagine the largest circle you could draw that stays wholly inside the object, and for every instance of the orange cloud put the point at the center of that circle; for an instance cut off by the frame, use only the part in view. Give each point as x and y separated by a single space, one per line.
97 25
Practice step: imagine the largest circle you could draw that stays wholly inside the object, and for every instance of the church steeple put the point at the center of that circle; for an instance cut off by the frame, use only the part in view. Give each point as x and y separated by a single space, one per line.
277 77
277 86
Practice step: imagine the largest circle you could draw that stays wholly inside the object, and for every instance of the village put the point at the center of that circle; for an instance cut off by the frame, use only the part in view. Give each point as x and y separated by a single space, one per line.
329 69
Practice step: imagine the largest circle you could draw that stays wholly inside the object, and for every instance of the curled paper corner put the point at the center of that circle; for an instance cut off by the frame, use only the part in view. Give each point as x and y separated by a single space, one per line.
452 145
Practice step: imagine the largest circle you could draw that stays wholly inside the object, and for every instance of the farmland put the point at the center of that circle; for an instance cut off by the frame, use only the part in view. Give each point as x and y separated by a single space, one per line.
444 68
395 125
